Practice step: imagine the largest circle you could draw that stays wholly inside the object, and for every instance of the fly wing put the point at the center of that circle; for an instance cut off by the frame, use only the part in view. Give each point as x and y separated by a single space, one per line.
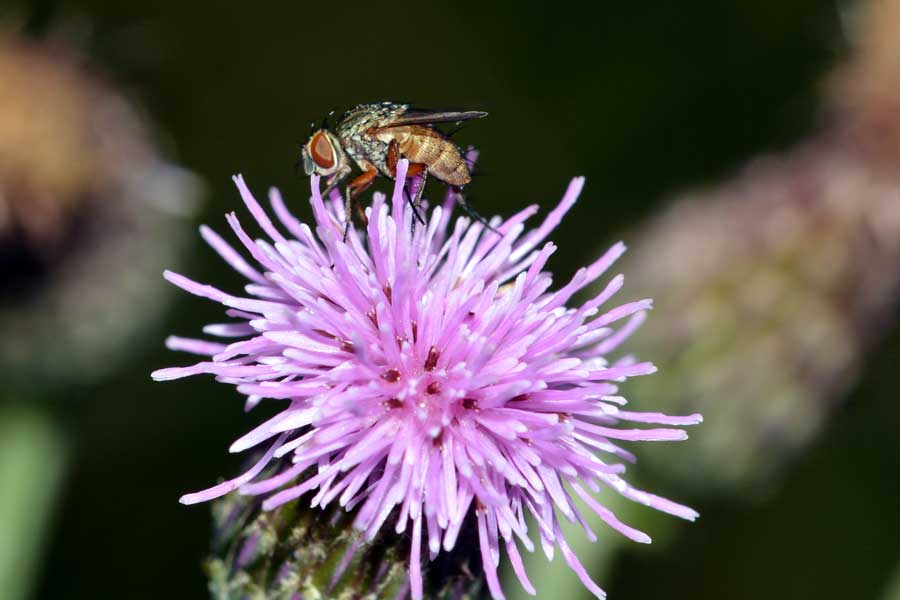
427 117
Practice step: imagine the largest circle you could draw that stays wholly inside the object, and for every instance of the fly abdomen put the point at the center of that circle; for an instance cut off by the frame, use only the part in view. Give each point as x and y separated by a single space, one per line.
427 146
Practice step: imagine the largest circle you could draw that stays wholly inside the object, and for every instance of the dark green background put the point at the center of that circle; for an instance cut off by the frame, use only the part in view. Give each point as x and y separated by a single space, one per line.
643 98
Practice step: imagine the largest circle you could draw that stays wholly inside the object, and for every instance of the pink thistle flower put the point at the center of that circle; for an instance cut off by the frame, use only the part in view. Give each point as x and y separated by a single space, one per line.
427 372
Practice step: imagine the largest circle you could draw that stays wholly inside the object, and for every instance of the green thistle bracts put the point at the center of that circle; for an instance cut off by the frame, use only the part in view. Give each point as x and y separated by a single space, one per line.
294 552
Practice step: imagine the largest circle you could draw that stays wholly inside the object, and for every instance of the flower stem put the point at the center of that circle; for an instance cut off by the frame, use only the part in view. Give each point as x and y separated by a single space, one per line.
32 466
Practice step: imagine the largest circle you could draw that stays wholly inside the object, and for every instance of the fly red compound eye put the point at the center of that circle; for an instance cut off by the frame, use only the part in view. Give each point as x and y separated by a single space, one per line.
321 151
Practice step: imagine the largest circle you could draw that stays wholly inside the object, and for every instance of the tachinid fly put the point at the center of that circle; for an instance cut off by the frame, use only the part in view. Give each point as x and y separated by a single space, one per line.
375 137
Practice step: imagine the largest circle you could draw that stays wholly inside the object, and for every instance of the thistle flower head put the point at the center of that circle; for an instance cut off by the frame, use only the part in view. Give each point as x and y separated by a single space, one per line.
428 373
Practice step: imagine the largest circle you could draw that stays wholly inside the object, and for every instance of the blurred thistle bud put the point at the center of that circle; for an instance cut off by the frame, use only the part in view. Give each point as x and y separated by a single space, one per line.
89 214
771 288
865 92
294 552
775 285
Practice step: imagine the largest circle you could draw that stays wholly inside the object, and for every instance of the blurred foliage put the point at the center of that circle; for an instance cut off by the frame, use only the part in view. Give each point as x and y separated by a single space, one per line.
32 460
828 532
89 214
643 99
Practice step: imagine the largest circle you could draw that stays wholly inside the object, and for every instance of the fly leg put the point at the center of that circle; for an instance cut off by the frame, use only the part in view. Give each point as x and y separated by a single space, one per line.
415 210
393 157
347 194
467 208
351 194
333 181
416 203
421 188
